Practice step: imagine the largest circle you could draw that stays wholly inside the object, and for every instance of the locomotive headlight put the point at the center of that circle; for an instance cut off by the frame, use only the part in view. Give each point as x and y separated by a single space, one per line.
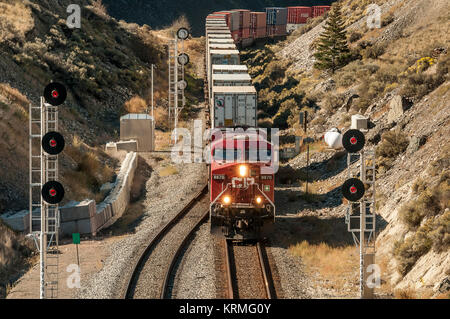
258 200
227 200
243 170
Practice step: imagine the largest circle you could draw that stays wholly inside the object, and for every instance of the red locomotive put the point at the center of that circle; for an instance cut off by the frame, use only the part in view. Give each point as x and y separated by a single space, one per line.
242 186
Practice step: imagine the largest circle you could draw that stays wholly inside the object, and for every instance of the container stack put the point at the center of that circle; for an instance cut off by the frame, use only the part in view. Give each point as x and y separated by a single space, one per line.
258 25
298 16
320 10
244 23
276 21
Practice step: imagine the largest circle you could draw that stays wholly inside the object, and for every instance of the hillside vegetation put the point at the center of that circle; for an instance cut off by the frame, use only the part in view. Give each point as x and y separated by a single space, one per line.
398 76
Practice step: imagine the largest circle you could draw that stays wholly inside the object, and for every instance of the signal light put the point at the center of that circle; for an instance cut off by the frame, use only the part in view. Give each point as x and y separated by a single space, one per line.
353 189
52 192
53 143
55 93
182 33
183 59
353 141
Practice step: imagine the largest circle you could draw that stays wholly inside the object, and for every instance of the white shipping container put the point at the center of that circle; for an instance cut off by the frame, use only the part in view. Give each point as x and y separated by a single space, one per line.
242 79
219 36
222 46
233 106
229 69
221 41
228 57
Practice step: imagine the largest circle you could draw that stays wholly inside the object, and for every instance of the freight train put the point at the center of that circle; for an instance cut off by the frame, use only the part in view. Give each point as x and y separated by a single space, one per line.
241 171
247 27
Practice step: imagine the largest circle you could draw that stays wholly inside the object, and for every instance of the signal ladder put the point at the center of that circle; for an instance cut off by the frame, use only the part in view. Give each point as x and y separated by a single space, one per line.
176 76
43 168
363 223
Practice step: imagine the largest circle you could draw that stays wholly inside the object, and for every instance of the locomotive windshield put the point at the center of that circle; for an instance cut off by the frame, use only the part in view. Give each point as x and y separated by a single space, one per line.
228 155
258 155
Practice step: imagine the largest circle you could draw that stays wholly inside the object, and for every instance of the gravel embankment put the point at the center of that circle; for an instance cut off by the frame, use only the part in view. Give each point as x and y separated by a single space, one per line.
151 275
196 278
165 196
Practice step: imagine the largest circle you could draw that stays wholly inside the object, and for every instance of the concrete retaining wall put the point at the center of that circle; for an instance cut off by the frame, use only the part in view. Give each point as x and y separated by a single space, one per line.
85 217
117 201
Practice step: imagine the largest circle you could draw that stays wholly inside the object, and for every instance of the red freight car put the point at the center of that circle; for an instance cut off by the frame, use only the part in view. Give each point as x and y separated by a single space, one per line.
299 15
320 10
258 25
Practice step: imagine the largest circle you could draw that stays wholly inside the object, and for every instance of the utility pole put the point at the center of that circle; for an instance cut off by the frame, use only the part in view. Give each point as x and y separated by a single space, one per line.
153 66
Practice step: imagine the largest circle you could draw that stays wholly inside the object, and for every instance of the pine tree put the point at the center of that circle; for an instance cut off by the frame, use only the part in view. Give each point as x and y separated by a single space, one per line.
332 51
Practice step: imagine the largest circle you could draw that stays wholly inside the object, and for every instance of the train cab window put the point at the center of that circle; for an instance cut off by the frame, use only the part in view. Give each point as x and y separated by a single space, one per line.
220 154
258 155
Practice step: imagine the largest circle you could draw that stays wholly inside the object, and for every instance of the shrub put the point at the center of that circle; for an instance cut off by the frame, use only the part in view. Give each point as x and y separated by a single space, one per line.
388 19
354 36
135 105
332 102
408 251
374 51
392 144
441 233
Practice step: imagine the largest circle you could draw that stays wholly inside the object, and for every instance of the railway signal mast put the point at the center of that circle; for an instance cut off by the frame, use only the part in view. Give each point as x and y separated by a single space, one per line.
177 60
45 143
354 190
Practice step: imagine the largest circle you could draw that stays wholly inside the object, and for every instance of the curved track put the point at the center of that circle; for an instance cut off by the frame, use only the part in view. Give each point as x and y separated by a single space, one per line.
154 271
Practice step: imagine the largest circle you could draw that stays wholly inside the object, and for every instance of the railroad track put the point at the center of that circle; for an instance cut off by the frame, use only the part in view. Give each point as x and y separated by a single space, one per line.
154 271
248 274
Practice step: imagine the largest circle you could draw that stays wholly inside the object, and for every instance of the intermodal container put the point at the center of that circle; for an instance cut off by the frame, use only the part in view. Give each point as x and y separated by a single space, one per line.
320 10
276 30
259 33
236 36
244 18
227 16
276 16
258 20
244 33
233 106
233 20
258 25
299 15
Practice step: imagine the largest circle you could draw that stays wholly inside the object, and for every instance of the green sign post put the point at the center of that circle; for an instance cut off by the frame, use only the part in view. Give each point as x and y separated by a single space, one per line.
76 241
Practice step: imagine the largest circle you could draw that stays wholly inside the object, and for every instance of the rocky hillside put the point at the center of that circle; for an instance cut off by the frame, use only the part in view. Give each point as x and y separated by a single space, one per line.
159 14
103 64
399 78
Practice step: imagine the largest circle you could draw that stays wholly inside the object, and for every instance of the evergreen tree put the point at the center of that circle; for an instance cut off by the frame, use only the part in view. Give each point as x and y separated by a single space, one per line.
332 51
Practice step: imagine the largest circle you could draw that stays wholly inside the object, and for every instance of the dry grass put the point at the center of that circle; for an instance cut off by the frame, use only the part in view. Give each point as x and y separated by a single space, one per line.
14 251
334 264
136 105
100 8
90 174
405 294
15 20
13 95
